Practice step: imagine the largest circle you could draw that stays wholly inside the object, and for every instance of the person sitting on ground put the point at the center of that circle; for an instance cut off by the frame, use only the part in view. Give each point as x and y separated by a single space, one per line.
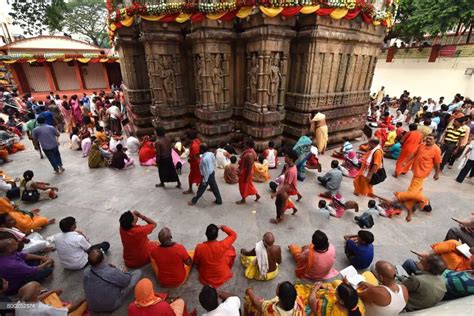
120 160
133 145
427 288
391 137
86 143
116 139
271 155
464 232
287 302
147 152
26 221
222 157
332 180
19 268
337 298
136 245
46 303
453 258
315 262
350 166
399 118
36 191
98 158
366 220
101 137
260 170
31 243
359 249
326 209
393 152
313 160
105 286
75 140
459 284
340 205
209 300
149 303
345 148
388 298
214 259
262 262
170 261
231 171
72 245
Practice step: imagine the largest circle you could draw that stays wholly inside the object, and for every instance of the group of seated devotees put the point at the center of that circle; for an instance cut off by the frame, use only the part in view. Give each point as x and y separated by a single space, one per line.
443 274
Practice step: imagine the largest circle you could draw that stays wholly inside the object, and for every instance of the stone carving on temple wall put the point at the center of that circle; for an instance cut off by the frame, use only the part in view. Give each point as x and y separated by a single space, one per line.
218 81
168 79
274 82
253 79
210 77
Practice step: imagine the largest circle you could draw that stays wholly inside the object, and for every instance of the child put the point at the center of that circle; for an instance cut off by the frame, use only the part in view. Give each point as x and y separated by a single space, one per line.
359 249
271 154
350 167
260 170
340 205
231 171
326 209
120 160
366 220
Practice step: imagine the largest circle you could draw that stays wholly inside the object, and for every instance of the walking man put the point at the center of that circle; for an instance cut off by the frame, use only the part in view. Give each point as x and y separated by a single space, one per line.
206 167
451 142
47 136
164 160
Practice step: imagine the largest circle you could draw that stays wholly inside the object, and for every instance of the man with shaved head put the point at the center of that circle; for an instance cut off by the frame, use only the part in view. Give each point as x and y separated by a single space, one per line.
105 286
388 298
262 262
170 261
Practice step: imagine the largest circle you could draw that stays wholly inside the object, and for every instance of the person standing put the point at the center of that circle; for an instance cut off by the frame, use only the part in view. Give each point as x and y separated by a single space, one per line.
164 160
371 163
410 143
246 162
451 142
469 165
47 136
194 161
207 166
463 141
289 187
380 95
320 130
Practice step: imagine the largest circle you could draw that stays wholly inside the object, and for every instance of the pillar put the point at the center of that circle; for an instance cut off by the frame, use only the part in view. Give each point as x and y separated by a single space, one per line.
213 70
79 76
50 76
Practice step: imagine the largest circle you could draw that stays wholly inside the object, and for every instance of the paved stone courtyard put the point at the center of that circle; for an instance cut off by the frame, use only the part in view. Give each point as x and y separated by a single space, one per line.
97 197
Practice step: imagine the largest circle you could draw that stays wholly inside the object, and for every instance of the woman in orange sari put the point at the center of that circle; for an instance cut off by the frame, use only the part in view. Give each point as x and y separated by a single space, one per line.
371 162
246 162
410 143
25 221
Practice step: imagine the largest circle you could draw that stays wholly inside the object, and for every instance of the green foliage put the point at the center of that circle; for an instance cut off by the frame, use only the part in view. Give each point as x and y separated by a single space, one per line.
83 17
416 18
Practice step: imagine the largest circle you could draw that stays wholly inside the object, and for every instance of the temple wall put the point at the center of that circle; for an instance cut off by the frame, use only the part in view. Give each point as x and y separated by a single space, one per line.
263 76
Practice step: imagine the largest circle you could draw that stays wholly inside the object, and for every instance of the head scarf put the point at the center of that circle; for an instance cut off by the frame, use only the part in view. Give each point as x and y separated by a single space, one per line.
145 294
319 117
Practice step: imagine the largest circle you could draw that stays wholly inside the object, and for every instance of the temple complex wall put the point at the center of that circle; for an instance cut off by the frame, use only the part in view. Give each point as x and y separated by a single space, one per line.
264 77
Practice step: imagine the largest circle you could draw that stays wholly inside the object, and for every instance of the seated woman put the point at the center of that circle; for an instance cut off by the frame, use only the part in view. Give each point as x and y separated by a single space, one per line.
116 139
75 140
345 148
393 152
231 171
120 160
287 302
31 243
350 167
313 161
147 302
147 153
260 170
222 157
97 156
36 191
315 262
342 299
25 221
102 137
86 143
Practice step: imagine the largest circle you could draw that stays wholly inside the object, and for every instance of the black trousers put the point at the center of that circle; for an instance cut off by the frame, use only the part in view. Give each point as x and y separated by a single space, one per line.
104 246
468 168
448 150
203 186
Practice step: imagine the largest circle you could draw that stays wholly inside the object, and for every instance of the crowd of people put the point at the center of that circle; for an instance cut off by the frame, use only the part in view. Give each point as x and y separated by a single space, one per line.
438 135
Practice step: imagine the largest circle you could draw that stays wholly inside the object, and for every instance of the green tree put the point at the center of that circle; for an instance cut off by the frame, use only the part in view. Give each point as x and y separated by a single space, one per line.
86 18
416 18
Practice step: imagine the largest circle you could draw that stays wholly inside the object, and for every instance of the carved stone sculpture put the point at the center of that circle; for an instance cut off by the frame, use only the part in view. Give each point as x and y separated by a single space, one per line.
274 83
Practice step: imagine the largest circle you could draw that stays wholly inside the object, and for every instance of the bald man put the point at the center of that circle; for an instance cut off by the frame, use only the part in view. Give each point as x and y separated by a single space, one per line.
30 293
262 262
170 261
388 298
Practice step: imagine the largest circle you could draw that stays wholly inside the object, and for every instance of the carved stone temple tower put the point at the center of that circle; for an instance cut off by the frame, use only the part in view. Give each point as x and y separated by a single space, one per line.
248 71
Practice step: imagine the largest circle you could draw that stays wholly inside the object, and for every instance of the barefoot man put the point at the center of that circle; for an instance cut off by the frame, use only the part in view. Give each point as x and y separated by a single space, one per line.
246 162
371 162
164 160
194 160
287 188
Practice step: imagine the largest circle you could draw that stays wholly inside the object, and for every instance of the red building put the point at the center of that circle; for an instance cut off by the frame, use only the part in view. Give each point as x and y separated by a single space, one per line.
59 64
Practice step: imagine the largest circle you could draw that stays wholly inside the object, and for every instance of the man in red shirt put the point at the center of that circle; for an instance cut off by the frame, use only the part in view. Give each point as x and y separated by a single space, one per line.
136 246
214 259
170 261
194 160
287 188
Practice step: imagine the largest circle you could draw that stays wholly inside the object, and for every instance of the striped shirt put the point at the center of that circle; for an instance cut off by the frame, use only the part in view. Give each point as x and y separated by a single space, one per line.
458 284
453 135
347 147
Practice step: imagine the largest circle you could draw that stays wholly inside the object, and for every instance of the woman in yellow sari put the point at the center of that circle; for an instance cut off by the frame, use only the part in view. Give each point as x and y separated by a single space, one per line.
260 170
25 221
329 300
286 303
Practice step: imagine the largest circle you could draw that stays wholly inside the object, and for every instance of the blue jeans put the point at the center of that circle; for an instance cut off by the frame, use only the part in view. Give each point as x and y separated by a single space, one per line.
410 266
54 157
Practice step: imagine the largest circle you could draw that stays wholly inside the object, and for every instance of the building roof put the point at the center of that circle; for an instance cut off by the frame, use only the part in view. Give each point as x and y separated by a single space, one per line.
51 44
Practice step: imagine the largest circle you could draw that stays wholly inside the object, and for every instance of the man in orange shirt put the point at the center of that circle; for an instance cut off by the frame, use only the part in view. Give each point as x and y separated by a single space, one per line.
452 258
194 160
371 162
170 261
136 246
410 142
214 259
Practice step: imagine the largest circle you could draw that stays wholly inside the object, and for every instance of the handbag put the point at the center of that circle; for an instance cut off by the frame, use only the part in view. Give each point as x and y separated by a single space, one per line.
30 195
379 176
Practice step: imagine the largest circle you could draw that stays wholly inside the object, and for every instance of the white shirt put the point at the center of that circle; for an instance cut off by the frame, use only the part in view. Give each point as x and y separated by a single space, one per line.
4 186
114 112
230 307
71 248
221 158
471 154
41 309
133 145
113 144
75 142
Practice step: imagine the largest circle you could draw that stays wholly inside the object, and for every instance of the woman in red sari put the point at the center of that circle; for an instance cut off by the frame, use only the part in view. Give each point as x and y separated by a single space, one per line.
246 162
147 152
194 161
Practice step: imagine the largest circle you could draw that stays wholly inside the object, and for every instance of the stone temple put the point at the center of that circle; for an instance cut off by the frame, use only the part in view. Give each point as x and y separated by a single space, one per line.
257 76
